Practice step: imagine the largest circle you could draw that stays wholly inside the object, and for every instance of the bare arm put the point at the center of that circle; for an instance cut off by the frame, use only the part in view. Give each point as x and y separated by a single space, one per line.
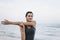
33 23
22 29
6 22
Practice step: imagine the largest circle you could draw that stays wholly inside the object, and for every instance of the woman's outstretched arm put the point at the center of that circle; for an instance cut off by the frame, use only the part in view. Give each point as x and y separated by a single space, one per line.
6 22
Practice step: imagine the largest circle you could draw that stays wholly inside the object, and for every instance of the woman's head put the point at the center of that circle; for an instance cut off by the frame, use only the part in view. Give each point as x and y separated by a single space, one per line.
29 16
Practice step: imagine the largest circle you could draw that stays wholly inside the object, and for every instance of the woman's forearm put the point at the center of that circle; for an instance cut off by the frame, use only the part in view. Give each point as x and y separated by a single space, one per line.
6 22
9 22
14 23
30 23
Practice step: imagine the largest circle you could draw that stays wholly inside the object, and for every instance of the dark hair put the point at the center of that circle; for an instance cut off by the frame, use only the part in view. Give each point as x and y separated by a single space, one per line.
28 13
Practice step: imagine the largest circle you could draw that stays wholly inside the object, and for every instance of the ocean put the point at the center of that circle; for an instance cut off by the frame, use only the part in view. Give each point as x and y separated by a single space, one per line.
43 32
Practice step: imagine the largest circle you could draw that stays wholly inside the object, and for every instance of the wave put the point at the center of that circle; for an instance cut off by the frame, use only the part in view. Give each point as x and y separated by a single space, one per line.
7 34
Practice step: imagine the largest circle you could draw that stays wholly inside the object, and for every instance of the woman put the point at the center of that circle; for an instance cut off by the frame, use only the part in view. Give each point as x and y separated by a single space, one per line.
27 28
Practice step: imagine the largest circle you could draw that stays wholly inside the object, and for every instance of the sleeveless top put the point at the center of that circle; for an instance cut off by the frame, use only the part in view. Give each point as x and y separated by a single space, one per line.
29 33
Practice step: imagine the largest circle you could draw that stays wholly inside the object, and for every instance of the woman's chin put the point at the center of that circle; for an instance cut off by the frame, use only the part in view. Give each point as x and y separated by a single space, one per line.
30 20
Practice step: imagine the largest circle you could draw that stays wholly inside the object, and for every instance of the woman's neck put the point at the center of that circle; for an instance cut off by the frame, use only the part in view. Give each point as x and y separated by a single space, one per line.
28 21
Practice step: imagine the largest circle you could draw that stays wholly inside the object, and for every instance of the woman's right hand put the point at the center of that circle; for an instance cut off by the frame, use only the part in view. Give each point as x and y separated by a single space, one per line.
5 22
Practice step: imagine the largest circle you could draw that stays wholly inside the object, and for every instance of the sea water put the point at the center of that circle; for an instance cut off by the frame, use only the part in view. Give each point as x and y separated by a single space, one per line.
47 32
43 32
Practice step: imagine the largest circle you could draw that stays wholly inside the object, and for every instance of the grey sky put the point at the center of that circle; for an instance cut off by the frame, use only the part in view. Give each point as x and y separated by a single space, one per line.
45 11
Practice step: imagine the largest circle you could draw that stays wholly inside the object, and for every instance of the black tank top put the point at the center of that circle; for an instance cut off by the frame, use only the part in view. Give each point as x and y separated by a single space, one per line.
29 33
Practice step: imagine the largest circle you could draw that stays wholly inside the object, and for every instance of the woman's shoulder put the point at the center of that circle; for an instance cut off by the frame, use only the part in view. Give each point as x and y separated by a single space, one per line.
34 22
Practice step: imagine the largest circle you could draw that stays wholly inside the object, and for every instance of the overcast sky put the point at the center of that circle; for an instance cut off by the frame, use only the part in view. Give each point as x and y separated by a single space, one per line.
45 11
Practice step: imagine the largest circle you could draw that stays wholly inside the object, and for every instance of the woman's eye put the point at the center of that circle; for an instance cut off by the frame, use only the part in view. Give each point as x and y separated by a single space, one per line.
30 16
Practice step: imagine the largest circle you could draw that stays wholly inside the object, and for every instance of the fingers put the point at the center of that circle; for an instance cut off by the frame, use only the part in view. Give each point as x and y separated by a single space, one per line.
5 22
2 22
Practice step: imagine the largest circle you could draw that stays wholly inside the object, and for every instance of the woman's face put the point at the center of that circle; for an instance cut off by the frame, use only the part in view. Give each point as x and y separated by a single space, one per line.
29 17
